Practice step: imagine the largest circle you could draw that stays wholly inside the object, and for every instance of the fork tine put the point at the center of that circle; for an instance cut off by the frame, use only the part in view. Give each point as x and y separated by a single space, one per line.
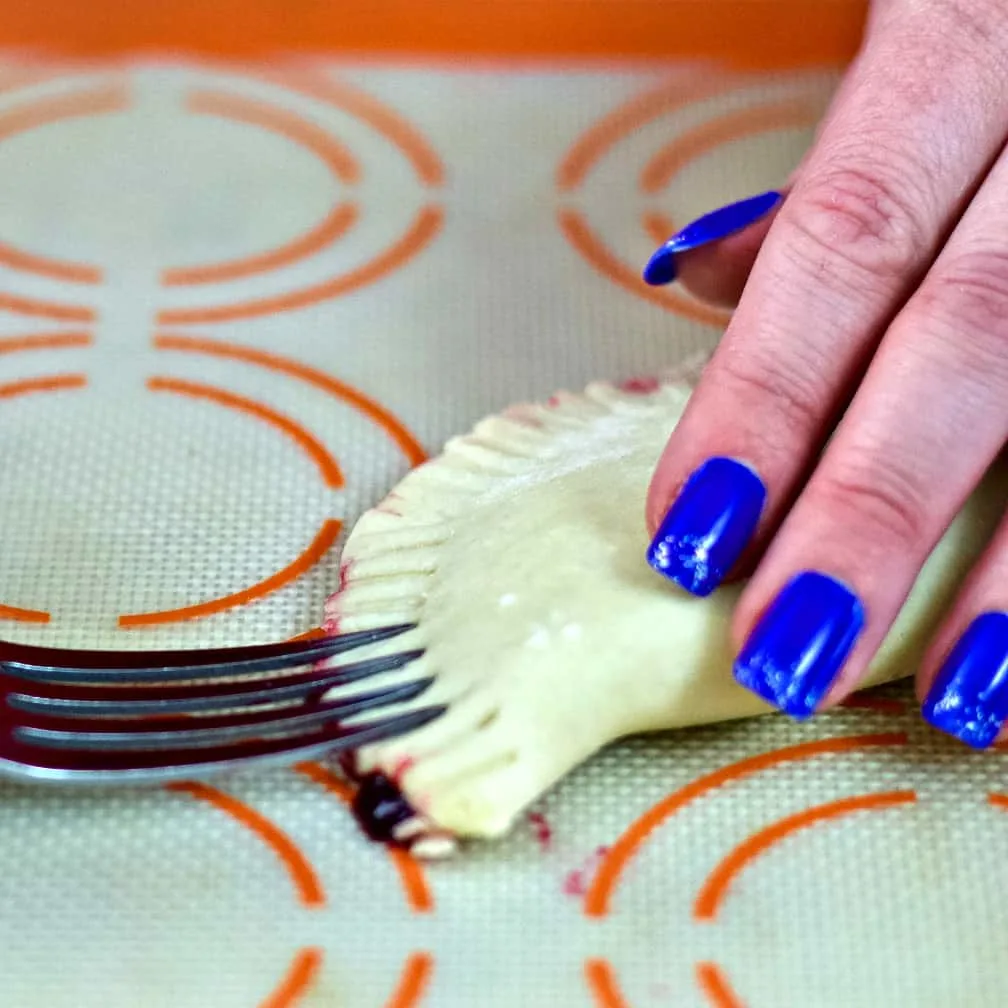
187 732
132 767
69 666
60 699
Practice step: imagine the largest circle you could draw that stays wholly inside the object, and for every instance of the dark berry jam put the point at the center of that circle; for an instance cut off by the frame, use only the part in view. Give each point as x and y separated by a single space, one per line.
380 807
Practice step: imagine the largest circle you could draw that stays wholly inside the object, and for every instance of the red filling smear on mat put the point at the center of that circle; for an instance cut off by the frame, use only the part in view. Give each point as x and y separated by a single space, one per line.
542 830
576 882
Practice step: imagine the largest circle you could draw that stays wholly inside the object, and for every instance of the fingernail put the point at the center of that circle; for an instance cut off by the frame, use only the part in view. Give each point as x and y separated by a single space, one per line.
969 698
661 267
709 525
797 649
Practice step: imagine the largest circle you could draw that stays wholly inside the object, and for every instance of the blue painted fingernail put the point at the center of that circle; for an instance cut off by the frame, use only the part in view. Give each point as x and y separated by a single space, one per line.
661 267
969 698
709 525
797 649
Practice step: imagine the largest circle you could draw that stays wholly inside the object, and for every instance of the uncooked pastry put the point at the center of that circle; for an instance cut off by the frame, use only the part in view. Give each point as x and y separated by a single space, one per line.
519 554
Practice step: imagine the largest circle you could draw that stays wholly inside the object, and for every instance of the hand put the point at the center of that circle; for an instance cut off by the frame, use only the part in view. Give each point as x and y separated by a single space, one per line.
876 295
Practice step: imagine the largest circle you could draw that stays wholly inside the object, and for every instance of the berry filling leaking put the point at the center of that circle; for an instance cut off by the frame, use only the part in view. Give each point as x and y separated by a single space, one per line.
379 807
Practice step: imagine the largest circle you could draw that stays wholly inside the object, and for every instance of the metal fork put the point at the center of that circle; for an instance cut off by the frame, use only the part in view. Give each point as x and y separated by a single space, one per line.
151 716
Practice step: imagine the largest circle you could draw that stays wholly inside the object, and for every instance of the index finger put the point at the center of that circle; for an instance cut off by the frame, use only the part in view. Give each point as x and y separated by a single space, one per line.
886 180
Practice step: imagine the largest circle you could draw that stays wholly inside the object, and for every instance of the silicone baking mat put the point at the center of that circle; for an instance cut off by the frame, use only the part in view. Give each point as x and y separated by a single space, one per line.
236 304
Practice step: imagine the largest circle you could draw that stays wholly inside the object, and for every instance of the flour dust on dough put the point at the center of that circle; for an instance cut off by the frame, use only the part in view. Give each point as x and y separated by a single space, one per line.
519 555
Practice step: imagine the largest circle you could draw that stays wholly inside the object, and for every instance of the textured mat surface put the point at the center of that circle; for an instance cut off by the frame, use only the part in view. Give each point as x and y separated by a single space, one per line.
234 308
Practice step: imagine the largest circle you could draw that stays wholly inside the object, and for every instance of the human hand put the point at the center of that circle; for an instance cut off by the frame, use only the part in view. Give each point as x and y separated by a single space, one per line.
875 305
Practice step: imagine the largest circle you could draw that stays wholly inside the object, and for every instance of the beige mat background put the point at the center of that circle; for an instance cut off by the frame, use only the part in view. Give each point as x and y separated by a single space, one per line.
235 306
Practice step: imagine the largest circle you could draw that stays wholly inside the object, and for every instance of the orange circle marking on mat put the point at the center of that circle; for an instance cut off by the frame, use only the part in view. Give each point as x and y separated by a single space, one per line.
298 867
659 172
659 226
579 233
327 466
337 223
42 112
601 979
410 871
297 982
28 386
712 981
589 149
414 981
374 411
712 893
695 143
420 234
335 155
381 118
600 893
324 541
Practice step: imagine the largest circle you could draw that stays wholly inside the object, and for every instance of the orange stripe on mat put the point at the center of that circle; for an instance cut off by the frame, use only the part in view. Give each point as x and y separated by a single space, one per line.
362 106
601 980
51 310
328 467
579 233
45 341
763 34
391 424
31 115
298 982
337 223
317 633
411 873
333 154
622 852
424 228
715 888
298 867
592 146
413 982
715 986
659 226
49 383
679 152
53 269
313 553
19 615
43 111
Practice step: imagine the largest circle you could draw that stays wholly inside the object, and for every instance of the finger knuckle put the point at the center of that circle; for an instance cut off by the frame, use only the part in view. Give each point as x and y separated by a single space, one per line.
764 385
969 294
883 504
860 218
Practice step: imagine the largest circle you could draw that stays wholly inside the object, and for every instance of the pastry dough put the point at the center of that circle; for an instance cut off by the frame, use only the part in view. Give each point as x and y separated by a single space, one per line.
519 555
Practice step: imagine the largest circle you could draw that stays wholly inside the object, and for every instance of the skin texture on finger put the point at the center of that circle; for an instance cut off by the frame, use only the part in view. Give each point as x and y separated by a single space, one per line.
926 423
915 126
961 683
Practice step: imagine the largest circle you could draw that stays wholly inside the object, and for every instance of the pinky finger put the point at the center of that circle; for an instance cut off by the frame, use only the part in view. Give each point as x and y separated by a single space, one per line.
964 679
